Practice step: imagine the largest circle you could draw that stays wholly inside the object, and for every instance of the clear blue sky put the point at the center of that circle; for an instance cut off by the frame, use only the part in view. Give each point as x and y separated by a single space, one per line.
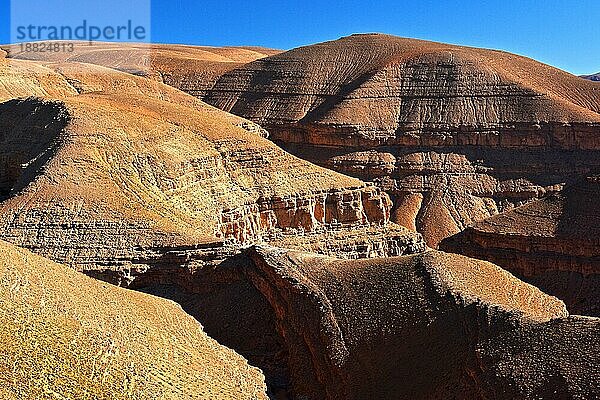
563 33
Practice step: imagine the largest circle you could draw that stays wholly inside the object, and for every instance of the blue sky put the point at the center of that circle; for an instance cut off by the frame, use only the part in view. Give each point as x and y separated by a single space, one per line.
563 33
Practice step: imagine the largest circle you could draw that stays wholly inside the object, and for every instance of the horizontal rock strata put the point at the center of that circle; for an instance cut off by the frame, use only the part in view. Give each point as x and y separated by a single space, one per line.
552 242
106 171
472 131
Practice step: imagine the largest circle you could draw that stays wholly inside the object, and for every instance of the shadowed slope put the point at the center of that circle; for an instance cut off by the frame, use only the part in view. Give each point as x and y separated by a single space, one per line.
594 77
553 242
468 131
428 326
64 335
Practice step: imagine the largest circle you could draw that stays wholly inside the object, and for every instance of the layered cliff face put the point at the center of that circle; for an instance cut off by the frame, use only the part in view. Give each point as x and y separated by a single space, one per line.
553 243
427 326
193 69
453 134
106 170
64 335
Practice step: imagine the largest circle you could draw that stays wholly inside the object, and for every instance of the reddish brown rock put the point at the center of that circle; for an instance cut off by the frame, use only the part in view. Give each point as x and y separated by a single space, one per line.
427 326
553 242
472 131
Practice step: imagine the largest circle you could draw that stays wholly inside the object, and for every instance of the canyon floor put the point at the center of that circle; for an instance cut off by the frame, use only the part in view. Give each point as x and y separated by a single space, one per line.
367 218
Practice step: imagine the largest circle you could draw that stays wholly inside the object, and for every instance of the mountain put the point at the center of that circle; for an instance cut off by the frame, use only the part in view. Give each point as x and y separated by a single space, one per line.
110 168
454 134
193 69
110 172
594 77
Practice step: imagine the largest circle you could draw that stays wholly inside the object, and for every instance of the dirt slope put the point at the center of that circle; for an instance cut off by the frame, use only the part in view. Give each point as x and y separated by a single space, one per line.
193 69
552 242
108 170
427 326
64 335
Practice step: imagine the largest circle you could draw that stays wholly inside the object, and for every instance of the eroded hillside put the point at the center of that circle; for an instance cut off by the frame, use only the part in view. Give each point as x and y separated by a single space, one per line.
106 170
64 335
113 172
193 69
453 134
426 326
552 242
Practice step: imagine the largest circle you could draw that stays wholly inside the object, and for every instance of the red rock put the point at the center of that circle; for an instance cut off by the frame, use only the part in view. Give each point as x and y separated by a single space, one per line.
472 131
553 242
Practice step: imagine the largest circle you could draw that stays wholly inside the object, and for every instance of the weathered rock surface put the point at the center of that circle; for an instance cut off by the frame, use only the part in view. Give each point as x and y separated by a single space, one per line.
140 184
468 132
106 170
553 243
427 326
64 335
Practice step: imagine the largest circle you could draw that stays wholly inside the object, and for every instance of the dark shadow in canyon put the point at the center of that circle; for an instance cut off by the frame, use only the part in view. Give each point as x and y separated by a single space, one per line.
231 310
29 137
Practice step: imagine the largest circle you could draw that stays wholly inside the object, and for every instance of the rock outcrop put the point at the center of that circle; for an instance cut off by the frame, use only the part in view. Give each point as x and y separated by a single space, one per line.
106 171
553 243
427 326
453 134
64 335
109 170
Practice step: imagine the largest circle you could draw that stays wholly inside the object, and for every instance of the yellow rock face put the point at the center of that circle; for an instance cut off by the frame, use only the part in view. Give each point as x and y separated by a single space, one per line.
66 336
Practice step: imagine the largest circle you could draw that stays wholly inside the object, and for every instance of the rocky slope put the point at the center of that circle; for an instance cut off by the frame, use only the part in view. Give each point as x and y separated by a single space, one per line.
193 69
553 242
64 335
453 134
140 184
427 326
106 170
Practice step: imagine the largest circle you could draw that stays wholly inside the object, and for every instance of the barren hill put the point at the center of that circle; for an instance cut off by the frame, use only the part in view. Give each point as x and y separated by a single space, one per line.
553 242
454 134
193 69
426 326
64 335
108 170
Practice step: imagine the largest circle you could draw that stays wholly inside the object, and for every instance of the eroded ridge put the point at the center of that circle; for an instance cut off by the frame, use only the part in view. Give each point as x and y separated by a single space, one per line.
426 326
111 171
552 242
